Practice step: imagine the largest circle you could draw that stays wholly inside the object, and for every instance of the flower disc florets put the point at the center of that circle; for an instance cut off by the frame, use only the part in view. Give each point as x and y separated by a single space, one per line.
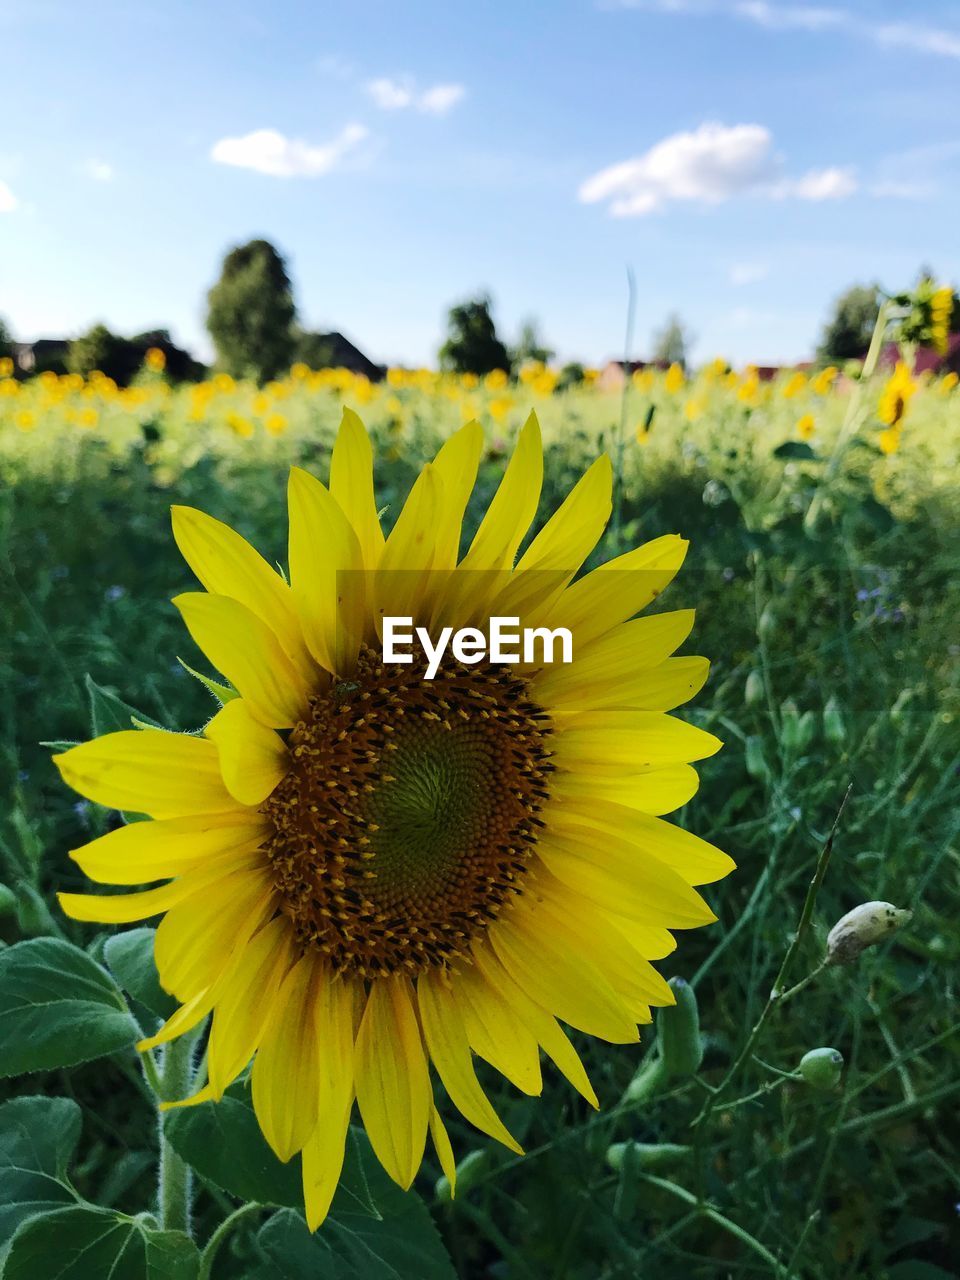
407 818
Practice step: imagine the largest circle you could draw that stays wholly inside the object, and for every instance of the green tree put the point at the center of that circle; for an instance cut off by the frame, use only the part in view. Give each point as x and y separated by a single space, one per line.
100 349
472 344
531 346
251 313
6 339
672 342
847 333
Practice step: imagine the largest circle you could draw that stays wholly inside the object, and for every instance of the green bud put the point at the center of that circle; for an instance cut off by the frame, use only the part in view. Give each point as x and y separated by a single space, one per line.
753 689
678 1032
767 623
646 1155
821 1068
863 927
833 726
467 1172
790 725
8 901
806 728
754 758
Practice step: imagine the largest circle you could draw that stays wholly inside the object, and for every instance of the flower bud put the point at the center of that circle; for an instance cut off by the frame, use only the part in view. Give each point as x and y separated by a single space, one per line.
753 689
821 1068
862 927
754 758
833 726
806 727
678 1032
467 1171
767 623
790 725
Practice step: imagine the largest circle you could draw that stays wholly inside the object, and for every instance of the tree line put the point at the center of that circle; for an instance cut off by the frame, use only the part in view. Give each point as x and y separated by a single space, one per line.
252 320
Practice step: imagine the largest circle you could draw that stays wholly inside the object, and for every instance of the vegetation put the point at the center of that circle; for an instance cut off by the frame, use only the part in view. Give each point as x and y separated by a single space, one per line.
251 313
472 344
821 515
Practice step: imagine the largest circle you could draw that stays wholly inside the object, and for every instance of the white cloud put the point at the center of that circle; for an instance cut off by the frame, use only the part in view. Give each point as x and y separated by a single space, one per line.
438 100
268 151
743 273
712 164
803 17
919 39
99 170
397 95
817 184
8 201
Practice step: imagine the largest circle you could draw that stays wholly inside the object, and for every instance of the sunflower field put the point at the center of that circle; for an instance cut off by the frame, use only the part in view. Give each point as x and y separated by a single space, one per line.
789 1109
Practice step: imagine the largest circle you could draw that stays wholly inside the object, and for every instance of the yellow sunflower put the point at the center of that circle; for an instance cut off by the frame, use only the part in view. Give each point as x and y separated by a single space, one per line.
369 872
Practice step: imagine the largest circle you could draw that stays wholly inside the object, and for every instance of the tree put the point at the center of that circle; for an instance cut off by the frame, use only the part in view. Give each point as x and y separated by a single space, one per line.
6 340
847 333
251 313
102 350
671 344
530 345
472 344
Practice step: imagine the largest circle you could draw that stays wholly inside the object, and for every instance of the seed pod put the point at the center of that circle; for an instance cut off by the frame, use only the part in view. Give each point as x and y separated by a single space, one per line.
805 730
833 726
678 1032
754 758
767 623
753 689
790 725
821 1068
862 927
647 1155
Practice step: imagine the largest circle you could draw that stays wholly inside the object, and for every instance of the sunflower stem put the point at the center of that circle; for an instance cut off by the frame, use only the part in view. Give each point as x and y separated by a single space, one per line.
175 1189
221 1233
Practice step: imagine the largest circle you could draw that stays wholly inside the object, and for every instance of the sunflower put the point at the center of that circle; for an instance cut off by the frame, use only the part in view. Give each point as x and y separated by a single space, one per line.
368 872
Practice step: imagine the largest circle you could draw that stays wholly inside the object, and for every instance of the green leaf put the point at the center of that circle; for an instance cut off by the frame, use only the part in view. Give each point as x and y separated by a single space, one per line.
129 956
58 1007
83 1243
222 692
108 713
222 1142
797 449
38 1137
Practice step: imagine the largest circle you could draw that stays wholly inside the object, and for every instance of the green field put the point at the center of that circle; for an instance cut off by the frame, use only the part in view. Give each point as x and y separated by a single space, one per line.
834 644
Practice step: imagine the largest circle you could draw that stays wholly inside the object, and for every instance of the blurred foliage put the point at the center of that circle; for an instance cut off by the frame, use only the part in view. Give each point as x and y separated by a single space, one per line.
251 313
472 344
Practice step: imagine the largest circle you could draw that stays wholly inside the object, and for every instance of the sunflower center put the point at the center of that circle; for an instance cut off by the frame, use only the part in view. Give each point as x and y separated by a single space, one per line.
409 812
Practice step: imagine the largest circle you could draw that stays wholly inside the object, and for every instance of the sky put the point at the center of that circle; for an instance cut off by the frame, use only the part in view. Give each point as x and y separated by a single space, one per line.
747 159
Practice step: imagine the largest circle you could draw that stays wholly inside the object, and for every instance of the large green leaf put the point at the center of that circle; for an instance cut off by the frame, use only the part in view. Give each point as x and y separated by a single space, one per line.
798 449
93 1244
58 1007
223 1143
109 713
130 958
38 1137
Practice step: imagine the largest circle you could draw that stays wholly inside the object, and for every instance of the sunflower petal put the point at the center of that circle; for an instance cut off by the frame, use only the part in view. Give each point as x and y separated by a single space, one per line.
244 1008
496 1034
456 467
393 1082
543 1024
351 484
323 1153
248 653
142 851
617 741
558 977
446 1040
285 1072
657 792
165 775
326 573
253 759
513 507
227 565
441 1144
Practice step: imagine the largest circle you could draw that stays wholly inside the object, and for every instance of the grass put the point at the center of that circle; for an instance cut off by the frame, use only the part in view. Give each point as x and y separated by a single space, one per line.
834 666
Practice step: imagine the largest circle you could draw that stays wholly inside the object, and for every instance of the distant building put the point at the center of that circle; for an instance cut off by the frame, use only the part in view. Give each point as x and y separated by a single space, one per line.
44 354
928 359
611 376
334 351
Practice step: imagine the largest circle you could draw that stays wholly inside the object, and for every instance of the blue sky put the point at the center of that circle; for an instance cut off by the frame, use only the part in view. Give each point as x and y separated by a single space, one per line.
748 159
